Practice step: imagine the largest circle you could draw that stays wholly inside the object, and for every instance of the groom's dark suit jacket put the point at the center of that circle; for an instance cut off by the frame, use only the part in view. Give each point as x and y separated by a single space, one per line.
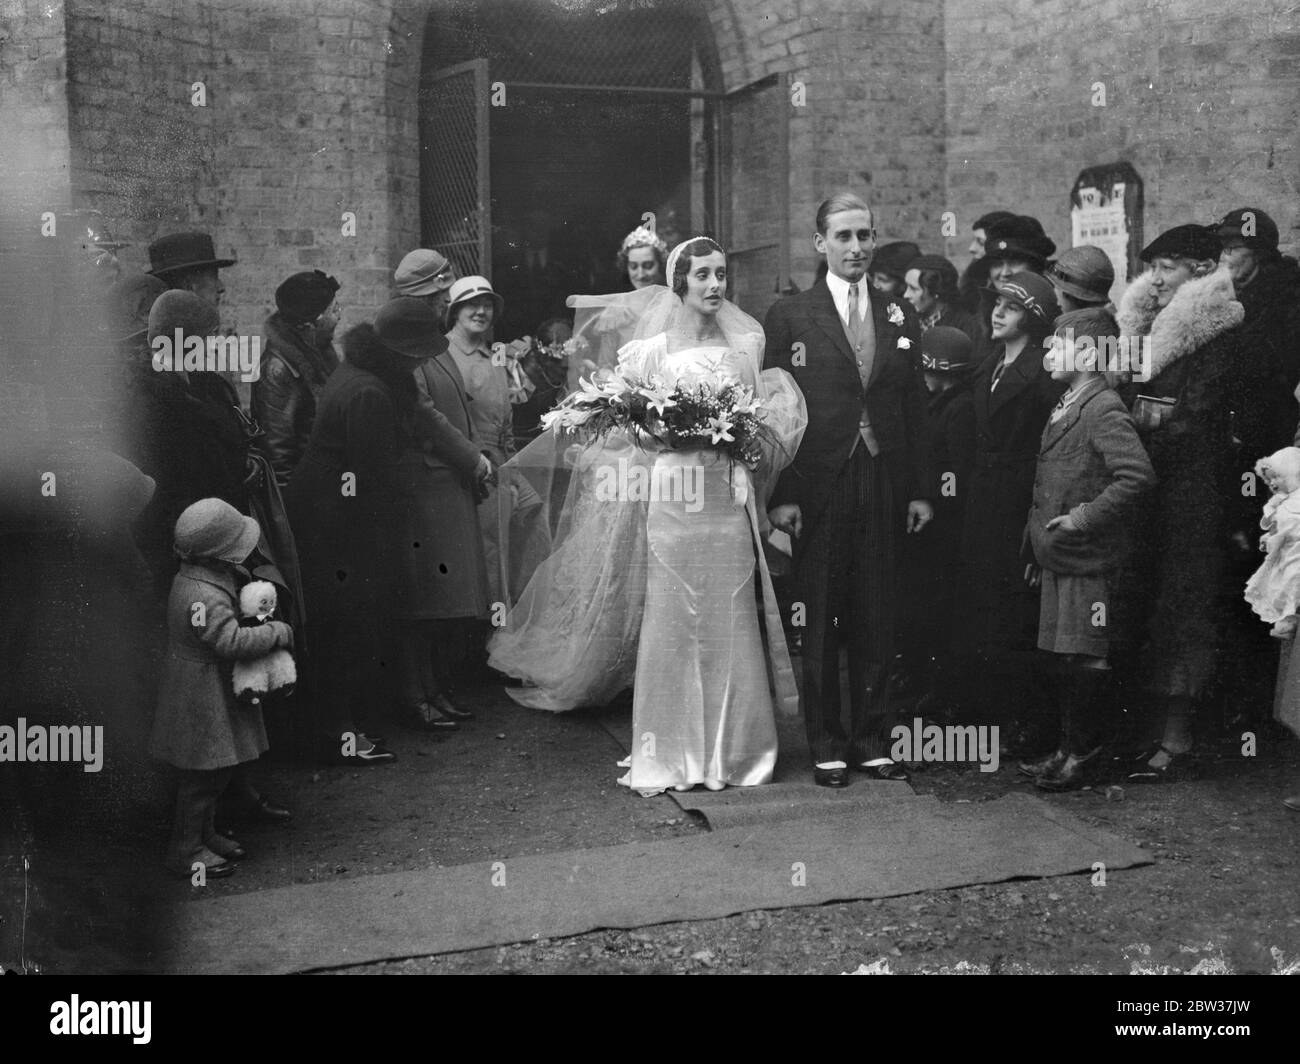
828 378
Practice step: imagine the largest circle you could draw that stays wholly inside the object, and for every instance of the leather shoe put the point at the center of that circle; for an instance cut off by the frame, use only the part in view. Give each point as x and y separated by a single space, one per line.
830 777
214 866
889 771
1073 772
1044 766
225 847
448 708
424 717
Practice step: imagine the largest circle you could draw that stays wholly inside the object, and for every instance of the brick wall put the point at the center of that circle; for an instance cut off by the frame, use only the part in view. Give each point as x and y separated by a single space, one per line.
926 106
1201 97
310 112
874 114
33 180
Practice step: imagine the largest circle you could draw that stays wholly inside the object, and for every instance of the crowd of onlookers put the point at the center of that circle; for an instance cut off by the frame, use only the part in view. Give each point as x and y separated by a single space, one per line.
1106 516
1140 439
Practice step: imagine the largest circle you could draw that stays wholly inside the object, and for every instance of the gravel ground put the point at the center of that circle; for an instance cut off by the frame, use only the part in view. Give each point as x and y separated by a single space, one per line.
1219 897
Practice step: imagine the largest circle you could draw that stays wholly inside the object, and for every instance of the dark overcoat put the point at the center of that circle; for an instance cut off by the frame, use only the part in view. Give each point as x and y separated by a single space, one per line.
1000 610
344 498
191 438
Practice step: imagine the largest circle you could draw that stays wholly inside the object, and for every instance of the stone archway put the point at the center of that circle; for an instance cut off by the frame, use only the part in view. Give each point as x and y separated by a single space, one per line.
591 126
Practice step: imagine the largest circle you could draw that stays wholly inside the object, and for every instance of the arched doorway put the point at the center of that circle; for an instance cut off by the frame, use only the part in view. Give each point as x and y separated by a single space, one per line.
549 128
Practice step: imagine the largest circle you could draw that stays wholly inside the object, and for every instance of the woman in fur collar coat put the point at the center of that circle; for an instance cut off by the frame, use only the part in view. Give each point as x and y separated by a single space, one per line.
1181 315
348 508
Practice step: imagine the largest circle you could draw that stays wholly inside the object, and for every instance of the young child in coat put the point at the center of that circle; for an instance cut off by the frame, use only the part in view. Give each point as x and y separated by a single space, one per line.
1274 590
1092 469
200 727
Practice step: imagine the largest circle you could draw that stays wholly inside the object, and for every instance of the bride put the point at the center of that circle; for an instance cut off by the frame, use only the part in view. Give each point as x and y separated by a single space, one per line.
657 587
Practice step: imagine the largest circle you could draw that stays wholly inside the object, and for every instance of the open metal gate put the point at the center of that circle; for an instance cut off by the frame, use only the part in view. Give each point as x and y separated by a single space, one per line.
456 207
754 164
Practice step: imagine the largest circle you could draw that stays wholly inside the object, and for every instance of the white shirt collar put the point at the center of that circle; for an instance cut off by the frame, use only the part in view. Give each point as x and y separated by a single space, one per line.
1074 393
840 294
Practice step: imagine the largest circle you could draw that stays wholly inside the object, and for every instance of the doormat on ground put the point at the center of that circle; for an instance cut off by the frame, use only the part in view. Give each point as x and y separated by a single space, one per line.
739 806
791 794
899 846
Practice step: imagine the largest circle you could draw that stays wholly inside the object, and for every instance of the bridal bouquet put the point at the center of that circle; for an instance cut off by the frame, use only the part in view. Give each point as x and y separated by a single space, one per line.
726 417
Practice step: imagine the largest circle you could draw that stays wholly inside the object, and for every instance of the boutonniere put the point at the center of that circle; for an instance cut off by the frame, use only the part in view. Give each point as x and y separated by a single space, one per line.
895 314
904 342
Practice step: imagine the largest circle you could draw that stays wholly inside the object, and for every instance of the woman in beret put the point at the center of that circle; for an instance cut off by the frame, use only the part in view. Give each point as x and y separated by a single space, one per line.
297 359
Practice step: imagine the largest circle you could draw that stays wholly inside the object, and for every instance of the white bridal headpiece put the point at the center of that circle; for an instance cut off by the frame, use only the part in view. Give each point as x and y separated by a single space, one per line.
676 253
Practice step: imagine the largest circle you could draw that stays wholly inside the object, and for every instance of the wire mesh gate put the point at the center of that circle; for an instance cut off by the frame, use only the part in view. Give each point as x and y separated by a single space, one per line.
455 191
739 152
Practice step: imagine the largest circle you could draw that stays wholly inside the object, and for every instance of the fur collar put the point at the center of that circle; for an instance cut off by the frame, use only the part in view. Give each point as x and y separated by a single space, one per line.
1202 309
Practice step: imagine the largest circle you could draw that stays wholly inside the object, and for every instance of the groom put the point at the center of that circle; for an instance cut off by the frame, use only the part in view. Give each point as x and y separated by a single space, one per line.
857 482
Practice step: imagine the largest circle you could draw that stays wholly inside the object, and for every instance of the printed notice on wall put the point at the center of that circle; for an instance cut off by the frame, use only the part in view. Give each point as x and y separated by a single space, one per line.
1106 211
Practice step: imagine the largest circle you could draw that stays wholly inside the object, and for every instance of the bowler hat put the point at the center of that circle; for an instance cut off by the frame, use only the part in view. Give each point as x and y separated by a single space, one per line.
945 350
304 296
1018 237
129 301
410 327
1031 291
183 251
1184 242
212 528
472 287
423 272
1084 272
1251 226
894 259
185 311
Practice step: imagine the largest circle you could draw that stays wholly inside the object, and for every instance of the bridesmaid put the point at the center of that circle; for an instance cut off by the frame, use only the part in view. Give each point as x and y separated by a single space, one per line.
641 258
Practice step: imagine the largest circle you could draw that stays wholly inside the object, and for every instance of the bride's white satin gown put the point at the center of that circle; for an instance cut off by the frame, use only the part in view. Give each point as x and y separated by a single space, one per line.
702 706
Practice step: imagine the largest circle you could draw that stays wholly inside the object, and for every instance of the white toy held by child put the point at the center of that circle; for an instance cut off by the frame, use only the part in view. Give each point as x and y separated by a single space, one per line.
273 672
1274 590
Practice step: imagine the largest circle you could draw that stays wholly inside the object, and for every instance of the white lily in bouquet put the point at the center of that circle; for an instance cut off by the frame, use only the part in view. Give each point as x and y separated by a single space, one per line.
727 417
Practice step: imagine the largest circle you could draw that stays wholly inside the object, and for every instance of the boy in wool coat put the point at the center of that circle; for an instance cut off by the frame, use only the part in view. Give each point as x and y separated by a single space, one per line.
1092 468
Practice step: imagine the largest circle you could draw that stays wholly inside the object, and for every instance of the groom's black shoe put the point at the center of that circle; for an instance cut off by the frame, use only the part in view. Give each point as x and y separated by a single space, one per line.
830 777
891 770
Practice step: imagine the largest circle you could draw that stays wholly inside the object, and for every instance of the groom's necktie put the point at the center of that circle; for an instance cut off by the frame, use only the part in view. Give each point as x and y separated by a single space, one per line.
862 338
